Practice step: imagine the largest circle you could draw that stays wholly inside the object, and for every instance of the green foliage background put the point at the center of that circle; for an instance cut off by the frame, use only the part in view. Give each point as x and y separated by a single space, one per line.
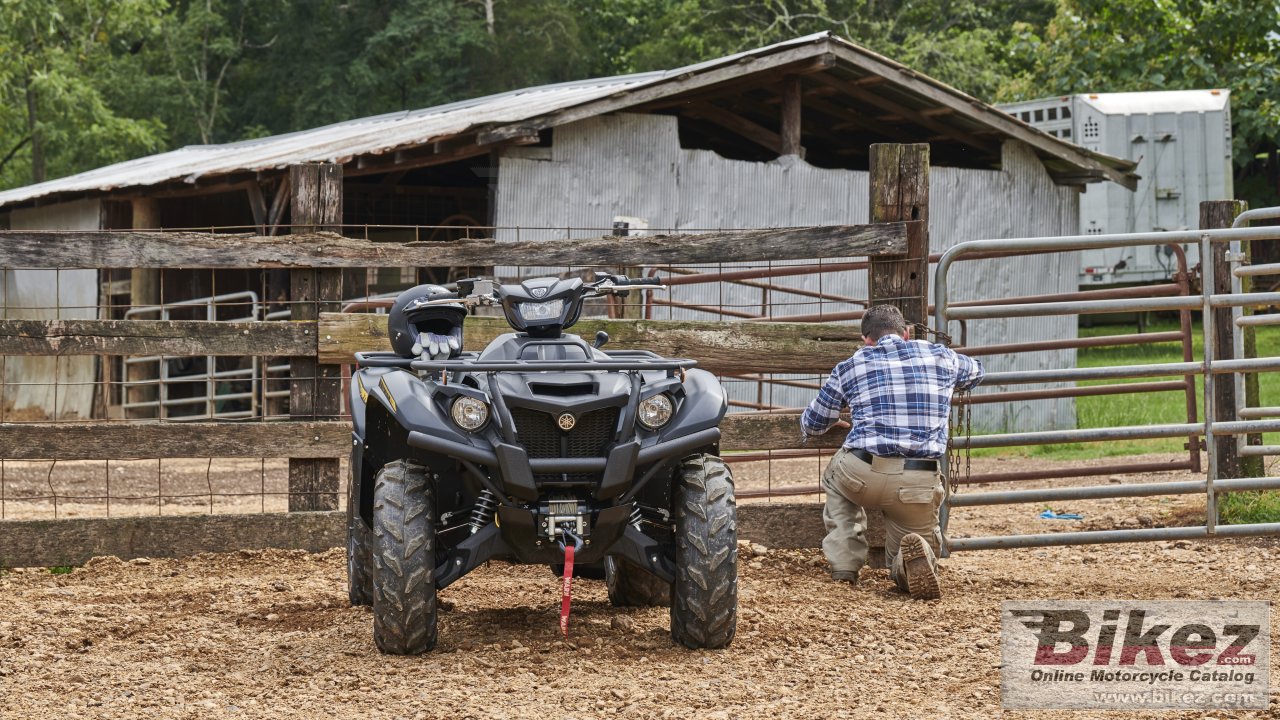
89 82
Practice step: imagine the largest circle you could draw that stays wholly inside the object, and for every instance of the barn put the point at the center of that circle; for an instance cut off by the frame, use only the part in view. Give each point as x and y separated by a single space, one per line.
773 137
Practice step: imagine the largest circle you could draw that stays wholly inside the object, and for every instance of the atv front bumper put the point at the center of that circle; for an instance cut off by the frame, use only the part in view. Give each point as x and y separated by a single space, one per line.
517 469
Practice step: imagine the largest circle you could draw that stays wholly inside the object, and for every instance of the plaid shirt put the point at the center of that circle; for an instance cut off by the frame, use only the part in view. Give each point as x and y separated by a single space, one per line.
899 393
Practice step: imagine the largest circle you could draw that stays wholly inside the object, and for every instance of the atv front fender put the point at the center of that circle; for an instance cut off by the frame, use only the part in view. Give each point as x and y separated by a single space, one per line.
704 406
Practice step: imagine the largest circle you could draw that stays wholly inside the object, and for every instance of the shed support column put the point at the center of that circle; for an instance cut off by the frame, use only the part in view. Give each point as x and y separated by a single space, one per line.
1215 214
144 289
899 191
791 101
315 391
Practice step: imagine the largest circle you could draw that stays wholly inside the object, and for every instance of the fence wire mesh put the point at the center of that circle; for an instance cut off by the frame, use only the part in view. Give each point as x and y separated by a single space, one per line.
255 387
106 389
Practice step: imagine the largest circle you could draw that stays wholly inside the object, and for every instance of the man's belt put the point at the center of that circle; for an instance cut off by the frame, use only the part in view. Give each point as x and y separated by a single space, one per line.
908 464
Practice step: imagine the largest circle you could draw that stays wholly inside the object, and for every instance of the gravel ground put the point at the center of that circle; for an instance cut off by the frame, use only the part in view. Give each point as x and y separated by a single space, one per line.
269 635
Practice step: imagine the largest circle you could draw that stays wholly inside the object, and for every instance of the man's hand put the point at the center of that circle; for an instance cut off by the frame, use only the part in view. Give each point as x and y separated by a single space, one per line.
838 424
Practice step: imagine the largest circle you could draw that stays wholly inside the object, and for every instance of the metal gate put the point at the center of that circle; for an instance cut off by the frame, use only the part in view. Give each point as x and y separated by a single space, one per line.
1246 420
193 388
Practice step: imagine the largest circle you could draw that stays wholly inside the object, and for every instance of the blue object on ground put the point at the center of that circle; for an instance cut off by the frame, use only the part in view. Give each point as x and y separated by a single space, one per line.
1051 515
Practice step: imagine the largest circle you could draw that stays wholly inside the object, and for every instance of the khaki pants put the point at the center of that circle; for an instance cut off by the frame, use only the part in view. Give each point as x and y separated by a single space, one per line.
908 498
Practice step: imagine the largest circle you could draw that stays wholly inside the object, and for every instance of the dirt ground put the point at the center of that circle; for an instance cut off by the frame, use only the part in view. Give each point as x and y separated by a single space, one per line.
269 634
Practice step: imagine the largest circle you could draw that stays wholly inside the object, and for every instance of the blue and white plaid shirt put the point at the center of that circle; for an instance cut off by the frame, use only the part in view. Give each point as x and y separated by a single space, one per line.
899 393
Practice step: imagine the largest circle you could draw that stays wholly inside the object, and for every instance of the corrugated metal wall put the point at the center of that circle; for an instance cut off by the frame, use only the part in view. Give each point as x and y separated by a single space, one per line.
632 165
30 392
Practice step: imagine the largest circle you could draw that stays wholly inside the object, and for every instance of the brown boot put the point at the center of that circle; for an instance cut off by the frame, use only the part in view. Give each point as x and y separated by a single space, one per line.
849 576
918 568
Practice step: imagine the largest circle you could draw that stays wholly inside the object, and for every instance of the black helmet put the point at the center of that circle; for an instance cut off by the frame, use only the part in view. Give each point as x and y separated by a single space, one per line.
412 316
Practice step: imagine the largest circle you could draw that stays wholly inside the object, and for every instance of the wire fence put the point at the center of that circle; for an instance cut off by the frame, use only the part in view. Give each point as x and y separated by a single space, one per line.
100 389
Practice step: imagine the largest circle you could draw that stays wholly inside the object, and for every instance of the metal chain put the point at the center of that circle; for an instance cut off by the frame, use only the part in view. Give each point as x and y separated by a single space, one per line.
961 416
919 330
968 437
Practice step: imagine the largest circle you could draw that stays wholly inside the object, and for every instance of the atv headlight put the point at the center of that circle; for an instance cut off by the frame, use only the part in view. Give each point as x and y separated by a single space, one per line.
469 413
548 310
655 412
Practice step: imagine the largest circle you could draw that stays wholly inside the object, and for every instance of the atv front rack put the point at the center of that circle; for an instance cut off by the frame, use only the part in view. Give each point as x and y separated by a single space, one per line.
382 359
620 360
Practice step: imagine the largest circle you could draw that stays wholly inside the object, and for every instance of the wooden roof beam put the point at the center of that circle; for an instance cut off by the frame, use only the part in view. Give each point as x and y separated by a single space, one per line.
816 54
742 84
942 95
853 120
223 184
915 116
737 124
451 151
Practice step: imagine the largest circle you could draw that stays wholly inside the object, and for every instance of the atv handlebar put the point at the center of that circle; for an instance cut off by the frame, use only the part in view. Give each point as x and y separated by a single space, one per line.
475 293
624 281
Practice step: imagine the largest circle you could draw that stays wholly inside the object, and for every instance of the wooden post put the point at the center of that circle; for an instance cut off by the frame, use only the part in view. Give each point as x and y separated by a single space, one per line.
899 191
791 101
144 290
315 390
1215 214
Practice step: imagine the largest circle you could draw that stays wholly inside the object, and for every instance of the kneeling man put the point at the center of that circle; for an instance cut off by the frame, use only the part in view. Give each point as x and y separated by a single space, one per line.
898 392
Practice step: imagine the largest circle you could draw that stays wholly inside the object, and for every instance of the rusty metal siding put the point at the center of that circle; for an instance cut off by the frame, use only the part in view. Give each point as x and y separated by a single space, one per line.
632 165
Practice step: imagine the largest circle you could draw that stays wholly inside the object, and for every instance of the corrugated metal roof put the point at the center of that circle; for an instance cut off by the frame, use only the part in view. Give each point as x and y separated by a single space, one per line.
332 143
373 136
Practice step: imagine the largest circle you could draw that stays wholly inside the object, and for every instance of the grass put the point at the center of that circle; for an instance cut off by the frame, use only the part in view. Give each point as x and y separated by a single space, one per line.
1249 507
1145 408
61 569
1157 408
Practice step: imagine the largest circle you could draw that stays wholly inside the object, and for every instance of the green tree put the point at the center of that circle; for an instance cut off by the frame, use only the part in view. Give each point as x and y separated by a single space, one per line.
54 60
1101 46
203 40
960 42
335 60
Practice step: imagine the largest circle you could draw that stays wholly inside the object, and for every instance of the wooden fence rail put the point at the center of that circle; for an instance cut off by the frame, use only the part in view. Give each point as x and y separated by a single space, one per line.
48 249
721 347
296 439
316 341
156 337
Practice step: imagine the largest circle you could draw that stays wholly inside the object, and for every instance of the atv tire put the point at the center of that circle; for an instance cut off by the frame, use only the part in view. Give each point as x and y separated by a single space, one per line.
404 571
632 586
359 551
704 597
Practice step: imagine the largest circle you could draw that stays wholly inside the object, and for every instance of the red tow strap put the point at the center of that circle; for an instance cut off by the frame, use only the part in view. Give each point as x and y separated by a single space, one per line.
566 590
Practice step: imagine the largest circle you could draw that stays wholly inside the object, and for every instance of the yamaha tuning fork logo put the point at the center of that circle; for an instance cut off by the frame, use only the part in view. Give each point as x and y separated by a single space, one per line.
1134 654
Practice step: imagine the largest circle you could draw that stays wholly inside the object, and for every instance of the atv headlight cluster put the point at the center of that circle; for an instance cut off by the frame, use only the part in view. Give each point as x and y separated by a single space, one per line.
549 310
469 413
655 411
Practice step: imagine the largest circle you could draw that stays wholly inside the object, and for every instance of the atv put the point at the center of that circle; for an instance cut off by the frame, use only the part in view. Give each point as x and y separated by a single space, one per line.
540 449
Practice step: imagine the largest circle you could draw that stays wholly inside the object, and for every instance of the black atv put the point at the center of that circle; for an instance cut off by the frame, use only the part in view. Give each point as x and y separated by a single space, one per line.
540 449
